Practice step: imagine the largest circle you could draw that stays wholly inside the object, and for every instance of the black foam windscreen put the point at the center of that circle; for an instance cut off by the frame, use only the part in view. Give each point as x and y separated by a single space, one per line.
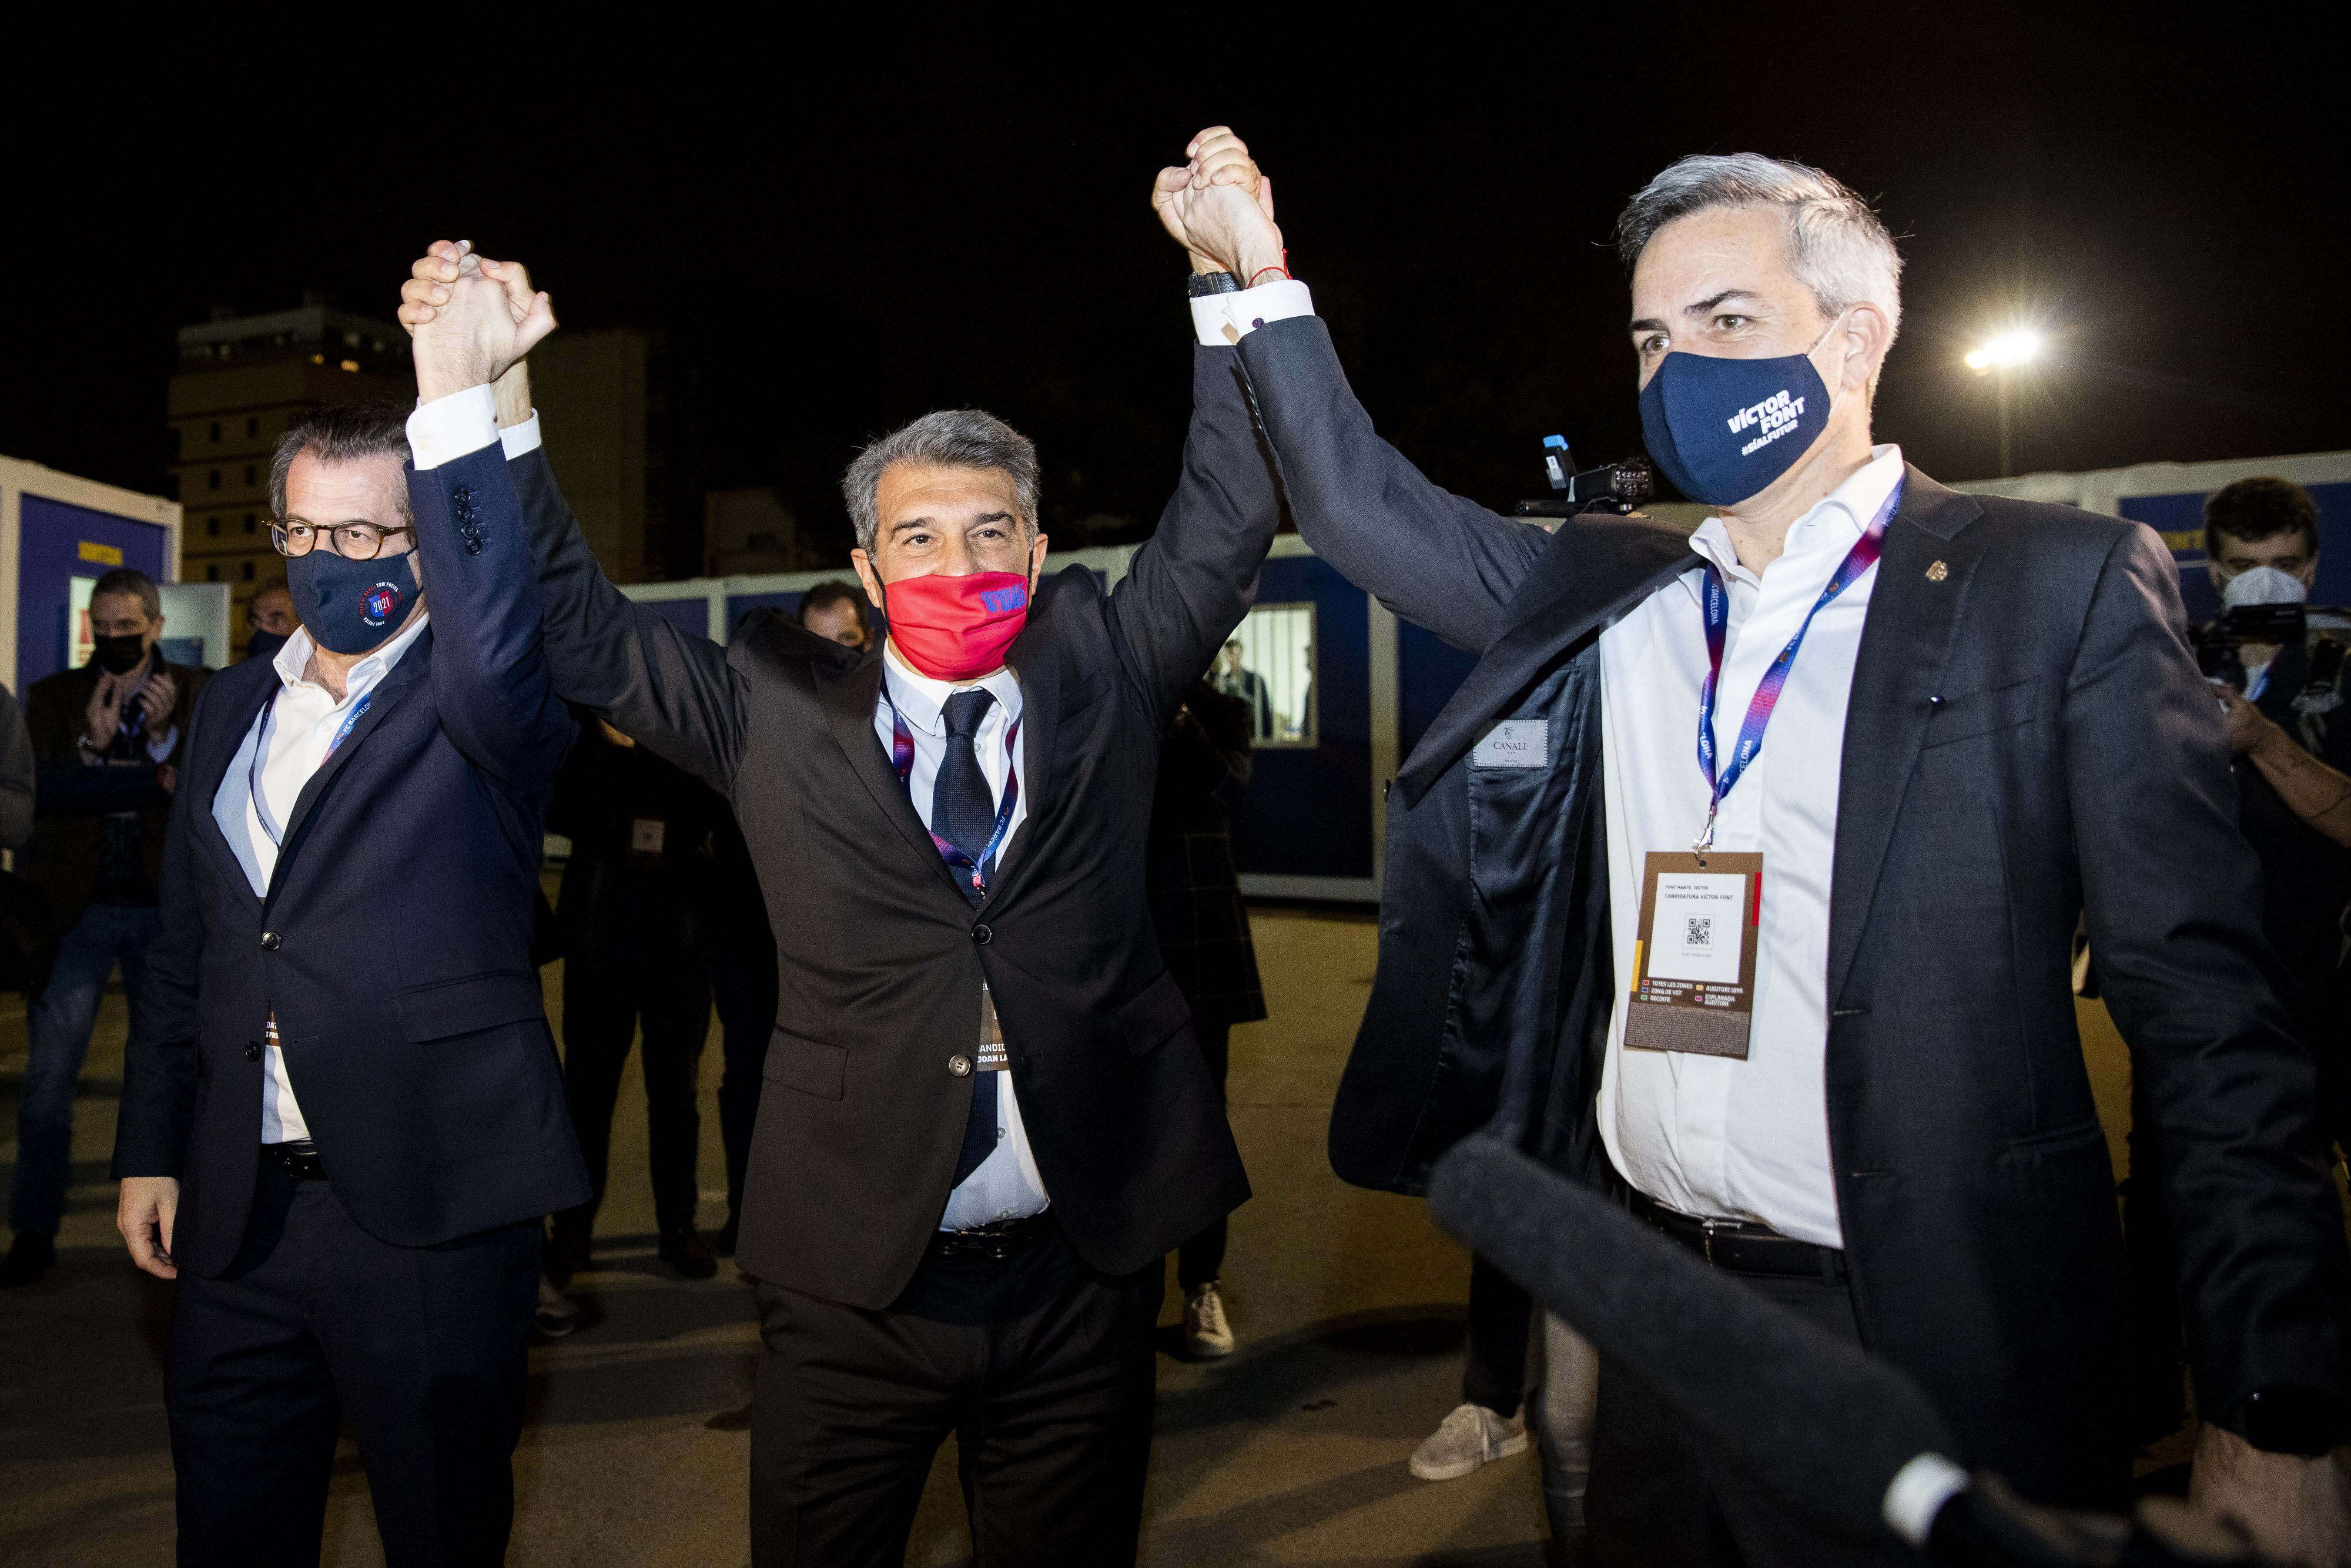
1820 1424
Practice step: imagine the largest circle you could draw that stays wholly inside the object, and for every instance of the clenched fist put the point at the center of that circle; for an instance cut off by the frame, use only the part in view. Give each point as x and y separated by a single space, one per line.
1220 206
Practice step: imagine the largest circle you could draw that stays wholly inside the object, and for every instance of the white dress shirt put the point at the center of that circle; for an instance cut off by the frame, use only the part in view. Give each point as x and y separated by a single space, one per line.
1007 1185
1706 1134
291 737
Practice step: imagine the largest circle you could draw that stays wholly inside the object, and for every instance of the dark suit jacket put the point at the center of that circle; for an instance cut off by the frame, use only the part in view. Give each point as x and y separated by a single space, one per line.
69 837
2028 734
394 940
1196 892
879 956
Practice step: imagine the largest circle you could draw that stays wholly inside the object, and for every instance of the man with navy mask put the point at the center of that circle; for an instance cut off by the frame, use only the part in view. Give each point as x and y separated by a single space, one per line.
1740 874
342 1118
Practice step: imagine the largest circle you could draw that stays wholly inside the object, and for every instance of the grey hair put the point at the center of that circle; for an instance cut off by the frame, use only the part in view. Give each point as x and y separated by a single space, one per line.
1838 248
951 438
347 433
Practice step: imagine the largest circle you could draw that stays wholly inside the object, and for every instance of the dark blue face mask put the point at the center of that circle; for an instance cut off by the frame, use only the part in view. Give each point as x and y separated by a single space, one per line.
1723 429
264 645
349 606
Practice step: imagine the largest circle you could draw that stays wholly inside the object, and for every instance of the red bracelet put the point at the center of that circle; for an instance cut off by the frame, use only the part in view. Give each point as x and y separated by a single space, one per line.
1284 269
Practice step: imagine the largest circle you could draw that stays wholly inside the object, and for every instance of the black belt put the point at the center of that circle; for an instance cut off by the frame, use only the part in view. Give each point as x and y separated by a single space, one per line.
994 1242
298 1159
1737 1247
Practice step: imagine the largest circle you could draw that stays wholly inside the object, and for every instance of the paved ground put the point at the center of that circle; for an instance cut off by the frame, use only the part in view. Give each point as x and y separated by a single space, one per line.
1348 1305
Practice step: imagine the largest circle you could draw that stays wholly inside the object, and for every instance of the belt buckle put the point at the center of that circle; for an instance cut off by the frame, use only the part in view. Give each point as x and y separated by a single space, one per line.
1706 1228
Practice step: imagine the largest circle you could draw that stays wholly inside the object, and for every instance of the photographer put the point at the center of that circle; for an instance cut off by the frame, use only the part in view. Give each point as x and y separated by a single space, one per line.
2292 745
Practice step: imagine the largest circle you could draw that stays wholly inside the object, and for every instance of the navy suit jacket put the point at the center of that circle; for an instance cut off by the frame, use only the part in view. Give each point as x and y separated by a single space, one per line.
393 942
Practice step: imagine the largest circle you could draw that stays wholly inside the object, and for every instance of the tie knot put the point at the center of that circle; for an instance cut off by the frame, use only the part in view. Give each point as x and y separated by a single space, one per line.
964 712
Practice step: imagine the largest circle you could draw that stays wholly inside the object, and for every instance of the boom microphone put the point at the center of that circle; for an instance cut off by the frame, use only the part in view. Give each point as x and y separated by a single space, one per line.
1825 1427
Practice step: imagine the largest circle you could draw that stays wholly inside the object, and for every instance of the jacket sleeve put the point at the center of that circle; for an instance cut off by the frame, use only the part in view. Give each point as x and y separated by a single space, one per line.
159 1060
16 775
659 684
1190 584
1435 558
490 675
2172 894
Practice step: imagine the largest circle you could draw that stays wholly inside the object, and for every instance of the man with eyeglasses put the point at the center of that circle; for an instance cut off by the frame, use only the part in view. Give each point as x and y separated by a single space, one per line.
343 1116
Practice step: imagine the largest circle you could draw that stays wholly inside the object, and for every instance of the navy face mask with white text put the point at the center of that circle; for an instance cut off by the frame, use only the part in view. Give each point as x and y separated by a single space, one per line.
349 606
1723 429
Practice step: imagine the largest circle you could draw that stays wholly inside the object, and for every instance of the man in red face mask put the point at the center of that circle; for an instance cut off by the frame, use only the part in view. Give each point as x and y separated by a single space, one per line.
985 1118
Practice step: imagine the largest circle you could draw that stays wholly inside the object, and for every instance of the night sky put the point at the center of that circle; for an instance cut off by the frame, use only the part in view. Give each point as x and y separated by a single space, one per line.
837 234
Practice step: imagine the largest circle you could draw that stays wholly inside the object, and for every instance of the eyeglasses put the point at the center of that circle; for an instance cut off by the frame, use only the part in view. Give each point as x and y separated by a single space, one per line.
353 541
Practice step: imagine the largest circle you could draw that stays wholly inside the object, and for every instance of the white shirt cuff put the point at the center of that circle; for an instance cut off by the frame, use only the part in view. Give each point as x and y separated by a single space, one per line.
450 427
1223 319
521 438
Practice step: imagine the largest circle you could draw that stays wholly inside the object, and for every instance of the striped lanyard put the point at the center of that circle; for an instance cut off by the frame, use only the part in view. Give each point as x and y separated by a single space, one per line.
261 754
1858 559
902 757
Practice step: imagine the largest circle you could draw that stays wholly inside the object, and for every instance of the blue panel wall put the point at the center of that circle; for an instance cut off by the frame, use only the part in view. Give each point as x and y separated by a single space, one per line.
738 605
1429 670
53 533
1309 811
2184 512
686 615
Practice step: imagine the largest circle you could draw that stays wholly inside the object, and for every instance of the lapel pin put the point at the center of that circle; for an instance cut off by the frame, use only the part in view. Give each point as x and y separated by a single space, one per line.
1937 572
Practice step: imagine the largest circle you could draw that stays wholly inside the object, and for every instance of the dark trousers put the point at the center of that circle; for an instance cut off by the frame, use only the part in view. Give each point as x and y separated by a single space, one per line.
1202 1258
423 1347
1044 1370
1657 1501
57 1025
605 993
1494 1369
743 985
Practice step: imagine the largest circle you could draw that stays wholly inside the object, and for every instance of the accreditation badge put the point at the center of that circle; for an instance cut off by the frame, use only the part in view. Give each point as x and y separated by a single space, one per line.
1694 954
992 1058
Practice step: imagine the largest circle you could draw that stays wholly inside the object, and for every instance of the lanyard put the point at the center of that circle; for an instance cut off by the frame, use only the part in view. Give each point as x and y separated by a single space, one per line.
261 752
902 757
1858 559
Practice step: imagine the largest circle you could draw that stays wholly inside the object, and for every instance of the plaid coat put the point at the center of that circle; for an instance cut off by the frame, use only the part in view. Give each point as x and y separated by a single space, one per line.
1196 899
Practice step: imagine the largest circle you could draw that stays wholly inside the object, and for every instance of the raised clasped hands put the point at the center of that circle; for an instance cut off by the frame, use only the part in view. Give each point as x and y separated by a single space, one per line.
1220 206
471 319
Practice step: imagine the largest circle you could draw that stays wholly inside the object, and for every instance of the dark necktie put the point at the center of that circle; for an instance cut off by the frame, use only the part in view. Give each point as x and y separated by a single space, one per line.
962 812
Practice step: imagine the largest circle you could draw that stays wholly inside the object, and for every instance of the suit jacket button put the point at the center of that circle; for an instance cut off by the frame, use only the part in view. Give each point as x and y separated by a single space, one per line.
982 935
959 1065
253 1051
271 941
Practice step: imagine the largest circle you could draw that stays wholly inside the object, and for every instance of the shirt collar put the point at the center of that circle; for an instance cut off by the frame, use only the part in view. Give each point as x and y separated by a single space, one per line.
921 698
1834 522
294 658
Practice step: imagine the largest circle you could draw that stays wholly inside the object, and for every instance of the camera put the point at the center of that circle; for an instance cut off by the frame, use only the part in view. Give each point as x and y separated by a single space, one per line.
1613 487
2219 640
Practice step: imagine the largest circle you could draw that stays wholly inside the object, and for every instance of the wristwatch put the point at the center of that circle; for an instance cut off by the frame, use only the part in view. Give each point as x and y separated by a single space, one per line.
1198 284
2285 1420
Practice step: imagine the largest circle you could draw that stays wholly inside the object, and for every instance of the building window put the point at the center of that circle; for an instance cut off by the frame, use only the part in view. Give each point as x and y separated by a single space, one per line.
216 433
211 480
251 425
211 527
248 571
1270 662
248 472
212 571
249 522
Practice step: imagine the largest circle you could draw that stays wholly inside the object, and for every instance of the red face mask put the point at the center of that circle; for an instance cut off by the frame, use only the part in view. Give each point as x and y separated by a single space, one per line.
953 628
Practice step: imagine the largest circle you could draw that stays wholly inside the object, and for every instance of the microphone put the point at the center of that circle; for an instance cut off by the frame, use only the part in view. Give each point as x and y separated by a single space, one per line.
1848 1443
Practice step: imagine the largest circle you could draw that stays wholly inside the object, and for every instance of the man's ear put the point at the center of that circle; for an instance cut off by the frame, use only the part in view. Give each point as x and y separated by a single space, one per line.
1868 337
1036 562
873 582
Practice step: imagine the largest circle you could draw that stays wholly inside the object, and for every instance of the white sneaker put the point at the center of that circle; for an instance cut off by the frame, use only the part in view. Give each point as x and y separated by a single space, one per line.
558 1313
1470 1438
1206 1335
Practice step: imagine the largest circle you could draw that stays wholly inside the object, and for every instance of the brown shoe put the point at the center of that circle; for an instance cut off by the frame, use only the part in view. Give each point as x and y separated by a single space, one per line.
689 1254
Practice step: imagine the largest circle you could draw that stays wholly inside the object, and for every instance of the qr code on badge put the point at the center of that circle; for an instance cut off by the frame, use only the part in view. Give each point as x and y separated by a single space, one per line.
1701 932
